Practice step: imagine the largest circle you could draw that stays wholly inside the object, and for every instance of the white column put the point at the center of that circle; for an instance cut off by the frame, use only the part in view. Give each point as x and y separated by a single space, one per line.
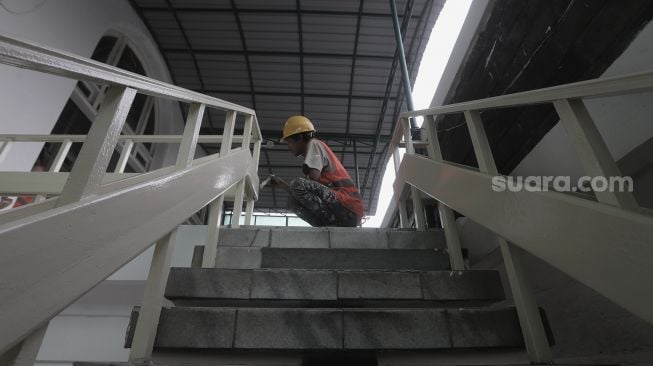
240 189
215 208
447 217
249 209
148 318
401 203
418 209
124 156
530 320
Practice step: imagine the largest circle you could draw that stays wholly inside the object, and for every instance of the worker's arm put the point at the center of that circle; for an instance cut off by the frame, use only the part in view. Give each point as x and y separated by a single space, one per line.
312 174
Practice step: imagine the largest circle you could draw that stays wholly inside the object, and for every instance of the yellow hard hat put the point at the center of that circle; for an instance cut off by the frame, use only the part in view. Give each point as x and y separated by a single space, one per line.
295 125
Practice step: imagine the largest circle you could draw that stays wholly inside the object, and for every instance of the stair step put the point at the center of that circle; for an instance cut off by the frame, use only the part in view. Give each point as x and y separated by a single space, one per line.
331 288
331 237
335 329
308 258
383 259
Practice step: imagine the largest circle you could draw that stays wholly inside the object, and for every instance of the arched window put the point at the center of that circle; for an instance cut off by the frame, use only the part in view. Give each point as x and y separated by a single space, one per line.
85 101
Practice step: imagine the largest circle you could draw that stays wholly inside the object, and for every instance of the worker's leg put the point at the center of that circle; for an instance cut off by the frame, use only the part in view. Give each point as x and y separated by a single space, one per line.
311 201
344 217
303 212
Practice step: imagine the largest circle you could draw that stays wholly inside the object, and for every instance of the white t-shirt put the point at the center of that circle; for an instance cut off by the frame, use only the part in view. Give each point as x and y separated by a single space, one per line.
317 157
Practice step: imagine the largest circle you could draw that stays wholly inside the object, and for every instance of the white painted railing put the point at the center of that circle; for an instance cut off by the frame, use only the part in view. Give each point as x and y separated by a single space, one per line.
58 248
606 245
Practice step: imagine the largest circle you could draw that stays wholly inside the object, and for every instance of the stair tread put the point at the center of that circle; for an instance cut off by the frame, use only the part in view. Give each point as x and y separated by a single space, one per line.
300 287
417 259
331 237
350 329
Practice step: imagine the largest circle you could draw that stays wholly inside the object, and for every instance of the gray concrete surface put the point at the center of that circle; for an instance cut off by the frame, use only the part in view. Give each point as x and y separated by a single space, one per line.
336 329
382 259
204 284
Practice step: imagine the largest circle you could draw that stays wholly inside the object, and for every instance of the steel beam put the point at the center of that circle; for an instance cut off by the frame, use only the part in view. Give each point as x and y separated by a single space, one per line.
278 53
267 11
361 4
405 76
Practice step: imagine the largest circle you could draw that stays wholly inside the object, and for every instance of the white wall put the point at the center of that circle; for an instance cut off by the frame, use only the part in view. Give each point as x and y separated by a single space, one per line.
31 102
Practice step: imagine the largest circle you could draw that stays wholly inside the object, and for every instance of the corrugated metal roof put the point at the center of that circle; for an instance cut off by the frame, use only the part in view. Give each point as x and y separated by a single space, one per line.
330 60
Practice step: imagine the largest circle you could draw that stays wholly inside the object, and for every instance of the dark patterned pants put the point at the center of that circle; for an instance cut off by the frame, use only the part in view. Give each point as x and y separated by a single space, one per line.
316 204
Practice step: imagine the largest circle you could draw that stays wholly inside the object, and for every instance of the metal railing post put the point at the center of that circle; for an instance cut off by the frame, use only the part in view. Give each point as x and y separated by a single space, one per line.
592 150
91 164
447 217
249 209
61 156
148 318
124 156
4 149
537 344
215 208
58 162
418 209
240 189
401 203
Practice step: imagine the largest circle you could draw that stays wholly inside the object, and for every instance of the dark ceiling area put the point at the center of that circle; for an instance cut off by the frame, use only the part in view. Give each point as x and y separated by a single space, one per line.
525 45
334 61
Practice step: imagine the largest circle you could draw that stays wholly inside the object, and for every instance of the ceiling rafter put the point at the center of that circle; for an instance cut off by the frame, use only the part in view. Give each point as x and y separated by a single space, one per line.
324 55
244 45
301 53
270 11
353 68
286 94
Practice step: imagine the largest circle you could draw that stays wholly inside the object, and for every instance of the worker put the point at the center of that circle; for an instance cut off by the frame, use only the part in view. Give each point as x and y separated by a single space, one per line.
326 196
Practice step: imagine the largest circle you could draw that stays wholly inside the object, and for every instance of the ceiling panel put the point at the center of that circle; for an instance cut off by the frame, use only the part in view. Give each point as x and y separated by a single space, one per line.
322 58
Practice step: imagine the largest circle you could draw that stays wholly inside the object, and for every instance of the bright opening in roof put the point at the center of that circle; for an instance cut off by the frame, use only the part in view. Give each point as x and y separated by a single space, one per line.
436 54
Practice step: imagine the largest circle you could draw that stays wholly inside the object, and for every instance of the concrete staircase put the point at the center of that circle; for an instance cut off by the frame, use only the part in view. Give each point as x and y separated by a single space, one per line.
332 290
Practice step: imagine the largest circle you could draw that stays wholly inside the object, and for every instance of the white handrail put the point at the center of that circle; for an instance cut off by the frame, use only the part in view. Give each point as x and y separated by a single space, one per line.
159 139
607 245
41 274
602 87
100 221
